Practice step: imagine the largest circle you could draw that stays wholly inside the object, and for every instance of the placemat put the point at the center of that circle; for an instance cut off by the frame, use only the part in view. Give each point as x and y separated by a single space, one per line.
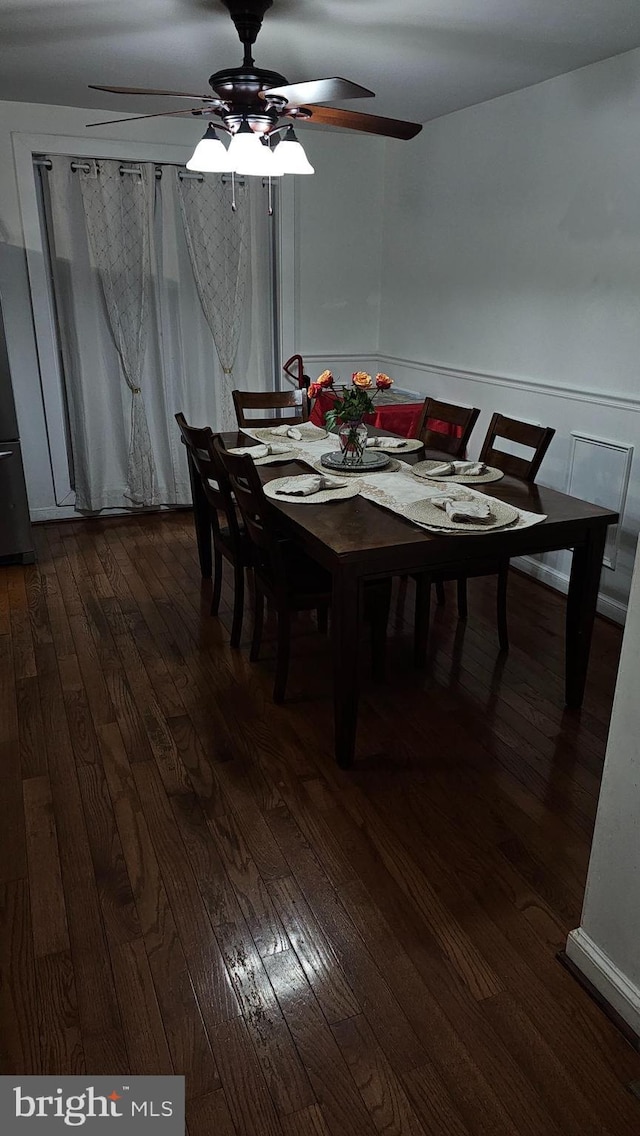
421 469
410 445
319 498
426 513
308 431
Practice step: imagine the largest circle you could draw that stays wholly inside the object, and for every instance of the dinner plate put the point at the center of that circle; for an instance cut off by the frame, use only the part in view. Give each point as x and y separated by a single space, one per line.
426 513
422 469
371 460
393 466
319 498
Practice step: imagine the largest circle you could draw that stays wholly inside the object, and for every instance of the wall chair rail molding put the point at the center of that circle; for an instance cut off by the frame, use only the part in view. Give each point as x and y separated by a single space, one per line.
599 397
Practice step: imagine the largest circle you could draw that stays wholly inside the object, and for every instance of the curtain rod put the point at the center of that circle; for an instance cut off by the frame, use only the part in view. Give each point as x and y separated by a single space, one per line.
182 172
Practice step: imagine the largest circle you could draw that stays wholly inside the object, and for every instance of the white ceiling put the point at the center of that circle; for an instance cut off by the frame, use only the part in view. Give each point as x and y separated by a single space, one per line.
423 58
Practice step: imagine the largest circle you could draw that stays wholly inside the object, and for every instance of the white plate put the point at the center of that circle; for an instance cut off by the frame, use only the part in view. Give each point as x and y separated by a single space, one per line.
319 498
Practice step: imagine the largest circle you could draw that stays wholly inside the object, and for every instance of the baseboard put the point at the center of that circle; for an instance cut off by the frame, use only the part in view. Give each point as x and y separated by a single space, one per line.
609 983
559 581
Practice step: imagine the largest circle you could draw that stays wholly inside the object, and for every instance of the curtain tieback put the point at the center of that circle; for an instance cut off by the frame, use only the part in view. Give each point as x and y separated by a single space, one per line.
136 390
227 370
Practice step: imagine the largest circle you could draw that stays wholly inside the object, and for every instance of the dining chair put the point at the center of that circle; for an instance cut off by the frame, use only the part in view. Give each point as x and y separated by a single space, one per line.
274 401
436 413
526 435
229 539
290 579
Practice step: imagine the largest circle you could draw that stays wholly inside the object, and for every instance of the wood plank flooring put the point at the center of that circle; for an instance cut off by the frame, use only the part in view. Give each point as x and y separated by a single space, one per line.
189 884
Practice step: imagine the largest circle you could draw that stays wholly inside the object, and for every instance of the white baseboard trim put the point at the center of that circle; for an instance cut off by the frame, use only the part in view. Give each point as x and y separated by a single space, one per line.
612 609
601 971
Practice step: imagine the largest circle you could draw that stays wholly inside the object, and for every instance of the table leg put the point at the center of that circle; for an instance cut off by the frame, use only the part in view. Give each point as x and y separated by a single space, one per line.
586 567
201 520
345 636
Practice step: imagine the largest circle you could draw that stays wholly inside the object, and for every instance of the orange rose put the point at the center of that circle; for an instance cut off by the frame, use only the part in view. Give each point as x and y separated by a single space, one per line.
324 380
361 380
383 382
313 390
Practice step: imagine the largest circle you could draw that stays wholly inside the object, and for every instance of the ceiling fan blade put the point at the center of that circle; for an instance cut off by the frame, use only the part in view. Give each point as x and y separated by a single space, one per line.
370 123
318 91
148 91
137 117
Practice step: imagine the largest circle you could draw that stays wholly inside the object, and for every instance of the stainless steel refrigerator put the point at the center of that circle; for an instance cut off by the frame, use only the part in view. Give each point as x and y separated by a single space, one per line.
16 542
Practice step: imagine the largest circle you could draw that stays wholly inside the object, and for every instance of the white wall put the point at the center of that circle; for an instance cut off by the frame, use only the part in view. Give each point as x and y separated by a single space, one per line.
606 947
338 217
511 267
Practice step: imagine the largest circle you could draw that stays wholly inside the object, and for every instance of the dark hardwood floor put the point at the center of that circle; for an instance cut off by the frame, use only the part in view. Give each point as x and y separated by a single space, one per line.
188 883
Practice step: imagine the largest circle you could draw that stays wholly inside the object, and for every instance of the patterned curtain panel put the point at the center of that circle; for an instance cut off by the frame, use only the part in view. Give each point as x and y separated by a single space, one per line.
118 209
218 241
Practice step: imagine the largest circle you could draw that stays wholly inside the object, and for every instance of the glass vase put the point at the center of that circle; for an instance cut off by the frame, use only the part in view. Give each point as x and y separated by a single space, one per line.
353 441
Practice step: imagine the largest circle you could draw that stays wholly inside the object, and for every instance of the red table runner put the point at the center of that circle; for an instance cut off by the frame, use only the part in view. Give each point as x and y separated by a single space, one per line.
396 417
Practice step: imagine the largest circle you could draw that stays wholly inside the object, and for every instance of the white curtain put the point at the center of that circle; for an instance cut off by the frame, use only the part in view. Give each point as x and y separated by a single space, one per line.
118 211
180 369
218 243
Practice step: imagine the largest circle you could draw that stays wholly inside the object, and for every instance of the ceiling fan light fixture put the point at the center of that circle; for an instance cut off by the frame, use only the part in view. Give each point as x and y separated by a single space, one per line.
210 155
248 155
289 156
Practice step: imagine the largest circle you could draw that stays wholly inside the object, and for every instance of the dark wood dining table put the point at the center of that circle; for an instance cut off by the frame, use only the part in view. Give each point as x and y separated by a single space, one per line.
357 540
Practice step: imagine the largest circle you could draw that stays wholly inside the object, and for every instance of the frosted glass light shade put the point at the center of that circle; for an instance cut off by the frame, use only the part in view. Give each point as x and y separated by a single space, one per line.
249 155
289 156
209 156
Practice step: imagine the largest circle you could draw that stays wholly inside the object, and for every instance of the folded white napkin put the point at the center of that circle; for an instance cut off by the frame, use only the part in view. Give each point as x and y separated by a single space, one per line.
455 468
263 451
305 485
458 509
385 443
288 432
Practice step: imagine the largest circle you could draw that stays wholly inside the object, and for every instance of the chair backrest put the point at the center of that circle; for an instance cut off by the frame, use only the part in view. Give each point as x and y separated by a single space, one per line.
207 466
535 438
294 368
296 400
254 507
445 426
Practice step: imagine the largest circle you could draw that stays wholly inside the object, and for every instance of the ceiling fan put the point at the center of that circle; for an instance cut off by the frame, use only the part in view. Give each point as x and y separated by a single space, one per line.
250 104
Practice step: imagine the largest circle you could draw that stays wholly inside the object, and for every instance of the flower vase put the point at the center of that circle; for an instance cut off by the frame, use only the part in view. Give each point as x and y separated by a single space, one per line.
353 441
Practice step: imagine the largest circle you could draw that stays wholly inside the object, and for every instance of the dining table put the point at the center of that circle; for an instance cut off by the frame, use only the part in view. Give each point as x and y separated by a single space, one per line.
357 540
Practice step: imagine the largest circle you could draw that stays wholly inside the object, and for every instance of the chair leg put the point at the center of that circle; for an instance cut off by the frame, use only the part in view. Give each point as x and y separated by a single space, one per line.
379 621
440 597
322 616
238 604
421 625
282 655
501 598
258 620
462 598
217 581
